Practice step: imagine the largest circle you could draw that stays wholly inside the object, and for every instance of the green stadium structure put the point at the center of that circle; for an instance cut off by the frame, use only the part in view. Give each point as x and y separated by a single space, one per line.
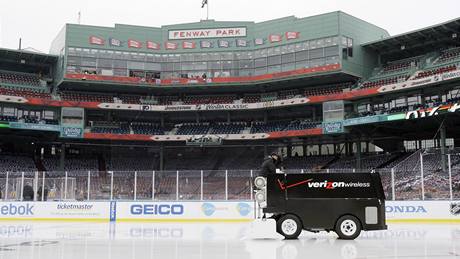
330 84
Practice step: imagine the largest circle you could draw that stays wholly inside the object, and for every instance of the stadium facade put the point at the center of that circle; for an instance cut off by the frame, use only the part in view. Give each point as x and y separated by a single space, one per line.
210 95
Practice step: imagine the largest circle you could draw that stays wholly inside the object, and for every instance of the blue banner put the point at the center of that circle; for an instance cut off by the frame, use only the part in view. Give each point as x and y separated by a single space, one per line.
34 126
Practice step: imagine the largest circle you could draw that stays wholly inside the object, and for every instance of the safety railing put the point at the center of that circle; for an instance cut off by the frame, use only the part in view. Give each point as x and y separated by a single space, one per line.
420 183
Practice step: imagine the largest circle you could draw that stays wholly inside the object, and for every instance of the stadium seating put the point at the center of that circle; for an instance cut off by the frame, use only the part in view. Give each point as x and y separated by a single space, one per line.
367 162
307 162
193 129
227 128
131 164
16 163
24 93
110 127
6 118
436 71
208 99
449 55
147 128
77 164
86 97
385 81
252 98
328 90
399 66
8 77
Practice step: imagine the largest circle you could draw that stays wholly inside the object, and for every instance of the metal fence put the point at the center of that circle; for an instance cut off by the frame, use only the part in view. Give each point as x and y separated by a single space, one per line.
419 177
145 185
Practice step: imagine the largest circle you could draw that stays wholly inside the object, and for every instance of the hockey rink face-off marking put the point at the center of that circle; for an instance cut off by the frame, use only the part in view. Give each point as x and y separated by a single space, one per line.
216 240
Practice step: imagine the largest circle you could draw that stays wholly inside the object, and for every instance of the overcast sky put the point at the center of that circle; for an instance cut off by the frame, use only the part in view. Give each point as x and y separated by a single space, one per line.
39 21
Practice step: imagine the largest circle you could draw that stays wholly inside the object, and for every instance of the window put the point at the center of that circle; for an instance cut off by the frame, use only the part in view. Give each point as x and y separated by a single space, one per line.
87 61
227 65
246 63
350 47
260 62
332 60
120 64
274 60
73 61
288 58
316 53
347 47
274 69
288 66
301 55
260 71
214 65
317 62
331 51
105 63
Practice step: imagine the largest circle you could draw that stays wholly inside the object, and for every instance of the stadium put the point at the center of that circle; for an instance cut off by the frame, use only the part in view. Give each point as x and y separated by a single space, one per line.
116 122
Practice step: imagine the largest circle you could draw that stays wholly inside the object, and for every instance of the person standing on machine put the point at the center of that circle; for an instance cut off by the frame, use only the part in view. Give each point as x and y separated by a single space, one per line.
270 164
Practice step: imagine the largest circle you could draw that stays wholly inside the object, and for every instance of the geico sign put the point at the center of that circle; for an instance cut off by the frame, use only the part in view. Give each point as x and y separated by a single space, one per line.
431 112
157 209
17 210
405 209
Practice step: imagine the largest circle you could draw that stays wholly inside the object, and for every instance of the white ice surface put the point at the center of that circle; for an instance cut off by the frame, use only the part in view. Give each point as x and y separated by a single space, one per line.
216 240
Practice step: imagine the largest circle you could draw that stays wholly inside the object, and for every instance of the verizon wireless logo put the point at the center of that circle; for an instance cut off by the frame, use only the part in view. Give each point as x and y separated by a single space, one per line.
332 185
325 184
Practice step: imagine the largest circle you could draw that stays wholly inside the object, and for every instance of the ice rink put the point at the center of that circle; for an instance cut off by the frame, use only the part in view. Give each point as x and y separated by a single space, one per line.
216 240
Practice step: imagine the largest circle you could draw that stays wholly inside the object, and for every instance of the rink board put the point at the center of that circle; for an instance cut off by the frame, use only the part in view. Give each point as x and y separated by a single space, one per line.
206 211
423 211
62 211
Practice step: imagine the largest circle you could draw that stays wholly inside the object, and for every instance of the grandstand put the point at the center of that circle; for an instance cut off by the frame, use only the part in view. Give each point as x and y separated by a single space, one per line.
338 99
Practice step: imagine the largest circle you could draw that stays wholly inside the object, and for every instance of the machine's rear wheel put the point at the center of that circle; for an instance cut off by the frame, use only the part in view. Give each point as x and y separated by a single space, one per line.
348 227
289 226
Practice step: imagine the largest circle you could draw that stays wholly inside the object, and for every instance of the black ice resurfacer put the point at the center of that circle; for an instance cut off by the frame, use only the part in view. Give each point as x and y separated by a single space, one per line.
342 202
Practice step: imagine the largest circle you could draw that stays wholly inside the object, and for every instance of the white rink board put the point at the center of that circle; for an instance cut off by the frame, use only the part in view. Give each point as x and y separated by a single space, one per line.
208 210
417 211
422 210
55 210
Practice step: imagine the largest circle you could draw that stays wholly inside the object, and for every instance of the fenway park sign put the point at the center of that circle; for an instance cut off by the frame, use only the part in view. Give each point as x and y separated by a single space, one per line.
207 33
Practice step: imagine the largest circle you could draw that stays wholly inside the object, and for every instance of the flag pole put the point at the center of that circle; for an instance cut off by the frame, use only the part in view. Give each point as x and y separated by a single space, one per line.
207 10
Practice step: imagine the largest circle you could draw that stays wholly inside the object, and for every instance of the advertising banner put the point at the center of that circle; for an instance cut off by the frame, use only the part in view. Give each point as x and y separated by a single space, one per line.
55 210
204 107
274 38
451 75
71 132
134 44
170 45
188 45
184 210
34 126
422 210
365 120
290 35
153 45
96 40
333 127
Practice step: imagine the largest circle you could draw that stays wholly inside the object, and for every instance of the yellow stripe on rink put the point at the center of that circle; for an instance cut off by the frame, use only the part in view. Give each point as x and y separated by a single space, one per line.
186 220
131 220
217 220
55 219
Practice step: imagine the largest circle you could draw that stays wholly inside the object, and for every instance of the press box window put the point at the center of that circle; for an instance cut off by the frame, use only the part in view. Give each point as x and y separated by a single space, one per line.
347 47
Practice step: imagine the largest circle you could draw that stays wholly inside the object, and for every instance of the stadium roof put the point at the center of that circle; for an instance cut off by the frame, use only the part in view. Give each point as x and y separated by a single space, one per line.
418 41
12 54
